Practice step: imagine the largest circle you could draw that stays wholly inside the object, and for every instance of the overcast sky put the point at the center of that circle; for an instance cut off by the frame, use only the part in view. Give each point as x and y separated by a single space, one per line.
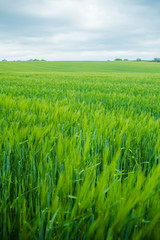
79 29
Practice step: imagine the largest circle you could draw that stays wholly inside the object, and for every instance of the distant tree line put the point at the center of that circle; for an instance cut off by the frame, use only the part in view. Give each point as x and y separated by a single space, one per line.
36 60
5 60
138 60
116 59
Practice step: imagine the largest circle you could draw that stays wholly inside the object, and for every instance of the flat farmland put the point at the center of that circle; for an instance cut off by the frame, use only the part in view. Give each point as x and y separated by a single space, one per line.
79 150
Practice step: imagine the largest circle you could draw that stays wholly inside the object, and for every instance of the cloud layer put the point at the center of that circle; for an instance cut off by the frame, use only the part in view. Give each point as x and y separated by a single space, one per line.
79 29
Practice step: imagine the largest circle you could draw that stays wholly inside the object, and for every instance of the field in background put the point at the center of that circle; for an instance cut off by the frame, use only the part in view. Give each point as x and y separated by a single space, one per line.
80 66
79 150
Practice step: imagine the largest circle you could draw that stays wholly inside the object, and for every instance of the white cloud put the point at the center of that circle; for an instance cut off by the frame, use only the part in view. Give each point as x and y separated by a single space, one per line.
79 29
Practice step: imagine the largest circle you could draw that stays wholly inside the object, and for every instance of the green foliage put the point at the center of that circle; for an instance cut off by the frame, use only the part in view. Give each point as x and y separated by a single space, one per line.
118 59
79 155
138 59
156 60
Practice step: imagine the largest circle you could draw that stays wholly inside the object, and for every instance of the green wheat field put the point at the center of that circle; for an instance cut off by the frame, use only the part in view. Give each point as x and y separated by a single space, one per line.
79 150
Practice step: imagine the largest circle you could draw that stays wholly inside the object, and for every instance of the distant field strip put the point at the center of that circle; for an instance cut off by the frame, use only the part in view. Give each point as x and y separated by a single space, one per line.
79 152
80 66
